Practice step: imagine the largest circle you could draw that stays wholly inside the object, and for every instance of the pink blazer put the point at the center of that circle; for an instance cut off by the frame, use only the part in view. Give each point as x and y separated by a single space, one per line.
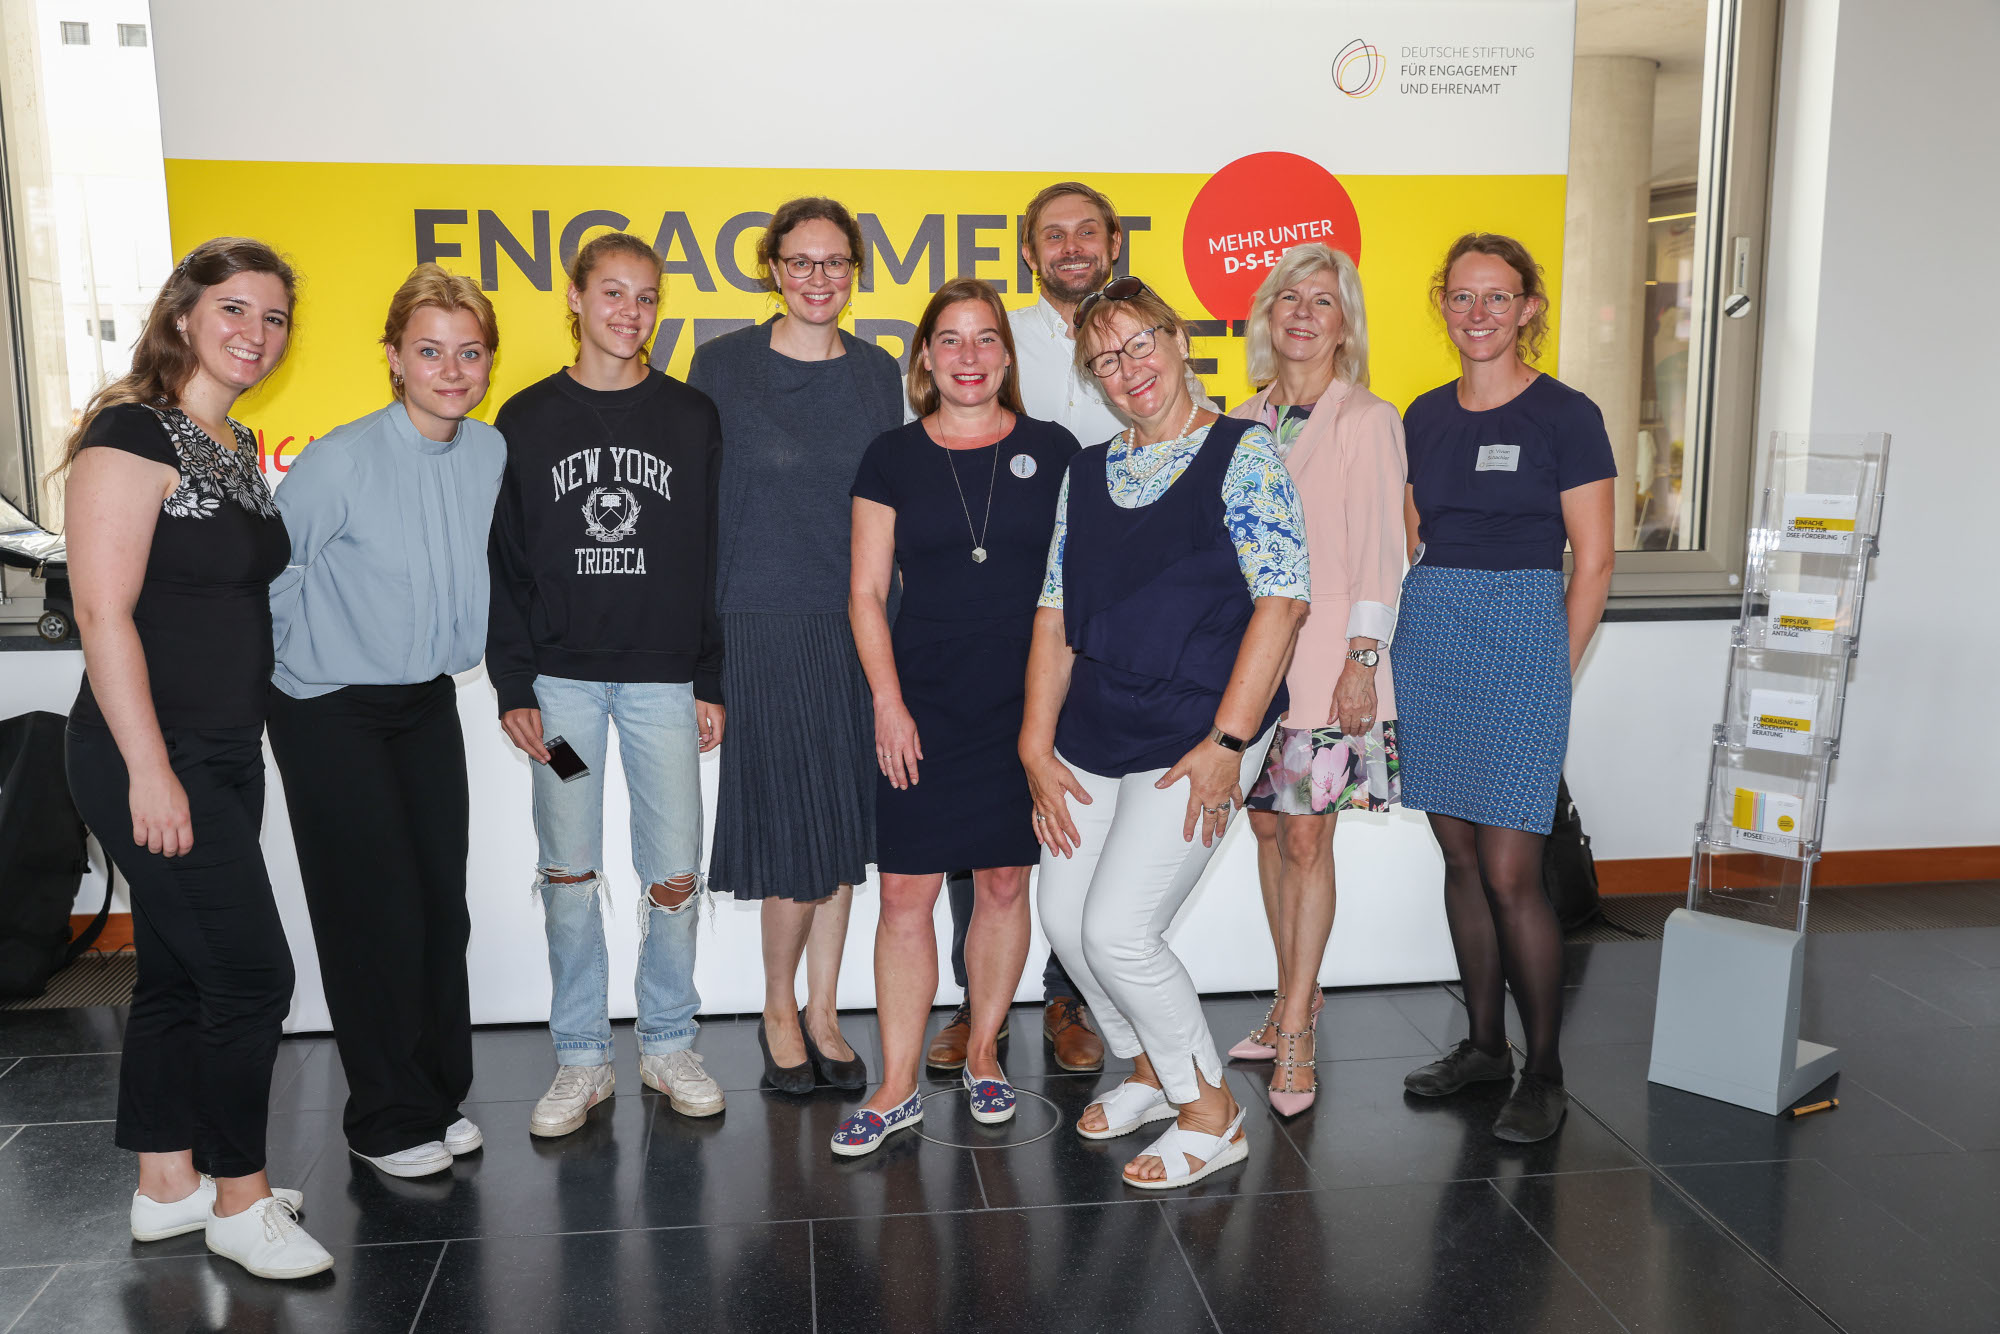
1349 467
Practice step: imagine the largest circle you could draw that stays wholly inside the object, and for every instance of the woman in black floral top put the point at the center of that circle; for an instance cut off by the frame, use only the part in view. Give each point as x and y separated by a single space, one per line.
173 541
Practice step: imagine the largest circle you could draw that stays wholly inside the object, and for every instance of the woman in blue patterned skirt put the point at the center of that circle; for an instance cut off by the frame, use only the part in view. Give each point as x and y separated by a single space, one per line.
1507 465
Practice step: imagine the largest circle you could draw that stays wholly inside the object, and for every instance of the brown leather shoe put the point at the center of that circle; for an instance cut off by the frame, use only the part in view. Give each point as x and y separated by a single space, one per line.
1066 1024
948 1047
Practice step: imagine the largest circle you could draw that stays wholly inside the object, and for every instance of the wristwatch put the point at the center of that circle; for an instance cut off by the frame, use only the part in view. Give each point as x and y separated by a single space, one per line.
1226 741
1367 657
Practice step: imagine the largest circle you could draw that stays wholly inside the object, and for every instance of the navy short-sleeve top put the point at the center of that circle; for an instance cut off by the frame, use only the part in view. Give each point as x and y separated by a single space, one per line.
1488 485
941 501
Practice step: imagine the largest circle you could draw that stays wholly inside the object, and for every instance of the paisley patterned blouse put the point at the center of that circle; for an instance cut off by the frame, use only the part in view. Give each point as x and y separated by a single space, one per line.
1266 524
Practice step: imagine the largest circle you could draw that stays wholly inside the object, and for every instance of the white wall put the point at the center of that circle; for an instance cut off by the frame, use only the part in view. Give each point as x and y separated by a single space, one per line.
1884 217
1903 344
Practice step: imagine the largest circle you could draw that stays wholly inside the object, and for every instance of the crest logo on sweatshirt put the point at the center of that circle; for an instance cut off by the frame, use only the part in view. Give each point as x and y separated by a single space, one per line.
610 513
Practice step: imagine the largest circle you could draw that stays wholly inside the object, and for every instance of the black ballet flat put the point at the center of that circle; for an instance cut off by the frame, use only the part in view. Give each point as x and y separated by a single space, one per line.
785 1078
841 1074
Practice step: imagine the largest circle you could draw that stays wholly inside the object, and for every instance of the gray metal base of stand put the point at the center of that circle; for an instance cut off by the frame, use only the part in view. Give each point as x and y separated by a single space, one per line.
1726 1024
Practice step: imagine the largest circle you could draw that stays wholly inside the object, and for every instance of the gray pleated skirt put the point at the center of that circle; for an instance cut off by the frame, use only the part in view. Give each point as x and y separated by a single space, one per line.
795 813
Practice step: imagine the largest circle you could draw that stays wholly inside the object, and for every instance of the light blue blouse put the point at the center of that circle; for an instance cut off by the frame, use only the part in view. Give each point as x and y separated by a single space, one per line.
1266 523
387 579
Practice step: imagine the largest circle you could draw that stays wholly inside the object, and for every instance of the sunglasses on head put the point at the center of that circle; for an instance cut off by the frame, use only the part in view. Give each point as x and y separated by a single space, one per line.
1118 289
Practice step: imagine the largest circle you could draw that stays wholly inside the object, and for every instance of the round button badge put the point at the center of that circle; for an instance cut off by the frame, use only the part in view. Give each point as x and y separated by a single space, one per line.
1021 466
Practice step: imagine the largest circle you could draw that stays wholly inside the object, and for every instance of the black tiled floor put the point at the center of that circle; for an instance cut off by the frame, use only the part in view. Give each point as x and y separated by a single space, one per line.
18 1287
87 1028
1949 1199
1666 1125
59 1088
1652 1209
1857 1263
1429 1259
1652 1258
694 1280
1109 1267
374 1290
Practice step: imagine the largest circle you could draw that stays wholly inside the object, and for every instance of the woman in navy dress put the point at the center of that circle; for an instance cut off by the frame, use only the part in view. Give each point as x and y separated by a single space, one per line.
1506 466
962 502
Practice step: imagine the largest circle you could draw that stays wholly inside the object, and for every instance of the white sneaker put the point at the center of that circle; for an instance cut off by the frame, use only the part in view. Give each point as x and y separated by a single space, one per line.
690 1090
266 1239
577 1089
421 1161
462 1138
153 1221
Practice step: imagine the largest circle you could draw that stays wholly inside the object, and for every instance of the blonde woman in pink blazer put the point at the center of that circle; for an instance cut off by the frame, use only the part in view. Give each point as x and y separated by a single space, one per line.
1336 749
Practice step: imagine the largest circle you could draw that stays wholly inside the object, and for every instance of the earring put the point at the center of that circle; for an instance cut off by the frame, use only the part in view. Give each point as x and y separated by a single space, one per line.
396 383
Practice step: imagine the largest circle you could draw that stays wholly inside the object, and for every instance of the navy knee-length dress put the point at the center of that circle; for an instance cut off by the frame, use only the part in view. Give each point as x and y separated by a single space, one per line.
961 637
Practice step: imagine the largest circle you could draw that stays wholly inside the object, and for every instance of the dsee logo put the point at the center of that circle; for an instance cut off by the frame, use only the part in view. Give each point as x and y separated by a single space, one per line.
1358 69
610 513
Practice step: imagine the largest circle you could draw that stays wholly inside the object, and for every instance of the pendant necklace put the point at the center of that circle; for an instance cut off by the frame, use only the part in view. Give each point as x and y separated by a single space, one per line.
986 524
1159 460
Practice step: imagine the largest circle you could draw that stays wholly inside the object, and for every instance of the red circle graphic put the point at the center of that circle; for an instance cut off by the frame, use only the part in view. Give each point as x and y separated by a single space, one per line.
1249 214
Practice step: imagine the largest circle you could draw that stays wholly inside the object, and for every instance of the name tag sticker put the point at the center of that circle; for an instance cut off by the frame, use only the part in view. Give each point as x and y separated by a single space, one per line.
1499 458
1817 522
1802 622
1782 720
1021 465
1765 820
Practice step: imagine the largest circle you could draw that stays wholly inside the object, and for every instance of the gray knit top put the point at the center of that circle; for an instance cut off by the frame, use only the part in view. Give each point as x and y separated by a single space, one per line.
793 433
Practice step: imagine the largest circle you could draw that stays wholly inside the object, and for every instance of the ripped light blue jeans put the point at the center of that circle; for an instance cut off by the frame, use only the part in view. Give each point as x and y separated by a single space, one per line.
659 748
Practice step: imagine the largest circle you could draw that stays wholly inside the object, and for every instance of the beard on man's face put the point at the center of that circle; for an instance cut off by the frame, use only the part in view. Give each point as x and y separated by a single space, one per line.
1054 286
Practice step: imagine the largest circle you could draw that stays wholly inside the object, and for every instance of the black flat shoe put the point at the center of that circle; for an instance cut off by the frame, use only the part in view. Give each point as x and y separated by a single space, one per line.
785 1078
1462 1065
841 1074
1533 1111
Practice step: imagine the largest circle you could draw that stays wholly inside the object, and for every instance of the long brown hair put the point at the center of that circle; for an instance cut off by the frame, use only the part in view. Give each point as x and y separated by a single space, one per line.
596 251
1527 342
921 386
162 360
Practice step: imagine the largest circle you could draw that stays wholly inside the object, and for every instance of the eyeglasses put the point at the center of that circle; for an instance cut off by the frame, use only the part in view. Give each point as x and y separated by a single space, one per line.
1138 347
1118 289
1496 303
800 267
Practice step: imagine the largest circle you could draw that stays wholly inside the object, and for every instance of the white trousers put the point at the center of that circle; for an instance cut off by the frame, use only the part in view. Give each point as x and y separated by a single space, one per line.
1106 910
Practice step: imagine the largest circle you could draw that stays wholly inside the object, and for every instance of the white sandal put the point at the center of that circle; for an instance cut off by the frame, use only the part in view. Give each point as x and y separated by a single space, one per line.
1127 1107
1220 1151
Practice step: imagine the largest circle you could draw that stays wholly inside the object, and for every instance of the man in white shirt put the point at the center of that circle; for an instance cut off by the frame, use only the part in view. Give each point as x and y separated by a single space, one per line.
1070 237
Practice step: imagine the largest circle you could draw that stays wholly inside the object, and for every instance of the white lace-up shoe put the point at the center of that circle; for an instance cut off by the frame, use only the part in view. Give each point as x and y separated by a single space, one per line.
679 1074
153 1221
421 1161
462 1138
266 1239
577 1089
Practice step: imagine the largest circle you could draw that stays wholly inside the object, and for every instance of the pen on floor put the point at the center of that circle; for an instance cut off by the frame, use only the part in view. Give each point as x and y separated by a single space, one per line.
1810 1108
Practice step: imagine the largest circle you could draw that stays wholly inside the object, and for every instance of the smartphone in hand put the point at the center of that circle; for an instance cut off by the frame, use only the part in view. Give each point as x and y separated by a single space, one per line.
564 760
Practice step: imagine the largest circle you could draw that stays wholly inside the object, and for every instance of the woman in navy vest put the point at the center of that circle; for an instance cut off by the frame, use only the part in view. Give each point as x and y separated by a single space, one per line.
1155 679
1506 466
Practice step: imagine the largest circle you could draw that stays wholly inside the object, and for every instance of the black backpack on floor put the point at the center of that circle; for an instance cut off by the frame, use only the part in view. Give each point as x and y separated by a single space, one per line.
1569 872
42 857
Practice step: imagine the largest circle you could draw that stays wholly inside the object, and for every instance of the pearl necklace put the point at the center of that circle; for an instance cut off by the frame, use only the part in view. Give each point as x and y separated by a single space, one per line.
1160 460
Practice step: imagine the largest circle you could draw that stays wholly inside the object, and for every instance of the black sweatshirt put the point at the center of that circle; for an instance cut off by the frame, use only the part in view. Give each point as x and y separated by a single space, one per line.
603 543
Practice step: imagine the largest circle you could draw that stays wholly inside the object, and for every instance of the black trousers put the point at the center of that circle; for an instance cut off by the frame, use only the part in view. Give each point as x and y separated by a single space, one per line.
375 782
958 888
215 974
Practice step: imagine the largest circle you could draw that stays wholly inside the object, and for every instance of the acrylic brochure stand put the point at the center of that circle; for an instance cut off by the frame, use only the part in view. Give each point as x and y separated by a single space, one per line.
1726 1022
